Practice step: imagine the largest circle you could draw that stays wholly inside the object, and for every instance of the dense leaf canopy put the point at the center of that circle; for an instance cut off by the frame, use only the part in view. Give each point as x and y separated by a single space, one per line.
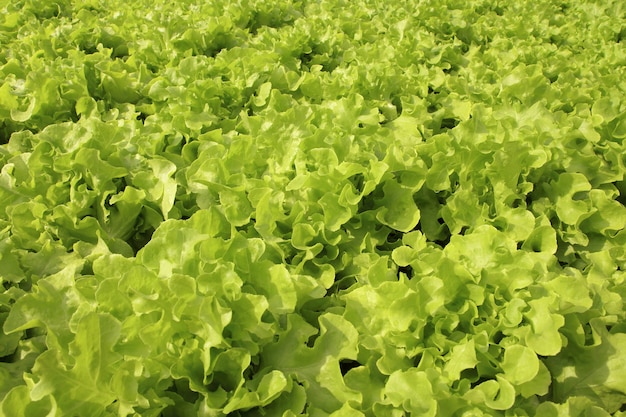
312 208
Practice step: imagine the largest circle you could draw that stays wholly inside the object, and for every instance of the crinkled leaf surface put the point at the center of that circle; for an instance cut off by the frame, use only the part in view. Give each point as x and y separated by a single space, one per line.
296 208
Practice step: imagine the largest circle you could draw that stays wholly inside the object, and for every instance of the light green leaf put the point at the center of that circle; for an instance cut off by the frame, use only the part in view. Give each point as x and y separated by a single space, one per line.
573 407
539 385
541 239
281 291
18 403
71 391
163 171
485 247
398 209
520 364
335 214
543 333
572 291
411 390
270 387
497 394
609 217
593 372
604 108
568 209
318 366
462 356
22 116
237 208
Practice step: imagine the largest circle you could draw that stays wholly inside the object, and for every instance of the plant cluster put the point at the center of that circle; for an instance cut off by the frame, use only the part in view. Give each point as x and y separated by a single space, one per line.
312 208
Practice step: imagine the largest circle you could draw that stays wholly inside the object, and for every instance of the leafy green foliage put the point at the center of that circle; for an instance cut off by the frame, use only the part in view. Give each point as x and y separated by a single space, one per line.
313 209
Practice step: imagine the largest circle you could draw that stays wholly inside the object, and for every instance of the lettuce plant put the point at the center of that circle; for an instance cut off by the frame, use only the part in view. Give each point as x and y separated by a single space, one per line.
313 209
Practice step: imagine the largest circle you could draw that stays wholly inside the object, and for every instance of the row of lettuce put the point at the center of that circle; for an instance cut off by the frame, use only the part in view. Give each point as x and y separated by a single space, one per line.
312 208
